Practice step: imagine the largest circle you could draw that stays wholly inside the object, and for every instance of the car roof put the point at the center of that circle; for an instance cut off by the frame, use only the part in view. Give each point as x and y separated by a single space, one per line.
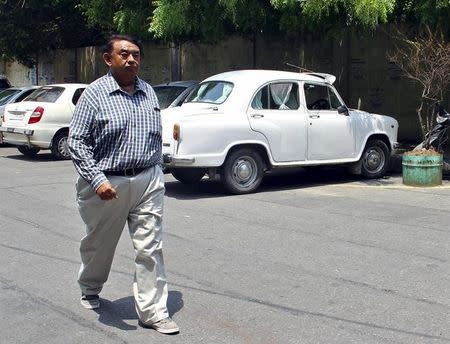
181 83
66 85
23 88
262 75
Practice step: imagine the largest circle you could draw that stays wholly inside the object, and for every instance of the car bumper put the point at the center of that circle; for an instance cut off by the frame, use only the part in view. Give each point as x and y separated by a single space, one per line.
169 160
20 136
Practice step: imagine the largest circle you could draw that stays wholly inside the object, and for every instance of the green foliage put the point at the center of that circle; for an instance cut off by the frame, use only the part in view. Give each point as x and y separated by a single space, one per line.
29 27
119 16
432 13
207 19
328 14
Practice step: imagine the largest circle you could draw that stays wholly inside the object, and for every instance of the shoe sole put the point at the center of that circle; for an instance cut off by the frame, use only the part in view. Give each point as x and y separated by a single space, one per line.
157 329
88 305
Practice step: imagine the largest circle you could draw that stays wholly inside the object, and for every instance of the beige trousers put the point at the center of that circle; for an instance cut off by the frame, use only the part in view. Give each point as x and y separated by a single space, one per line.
140 203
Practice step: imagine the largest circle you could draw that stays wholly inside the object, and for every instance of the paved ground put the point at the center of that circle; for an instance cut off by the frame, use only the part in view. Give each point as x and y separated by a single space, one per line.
318 257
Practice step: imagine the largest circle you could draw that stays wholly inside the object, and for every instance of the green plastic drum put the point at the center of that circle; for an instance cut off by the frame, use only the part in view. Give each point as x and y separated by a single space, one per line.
422 170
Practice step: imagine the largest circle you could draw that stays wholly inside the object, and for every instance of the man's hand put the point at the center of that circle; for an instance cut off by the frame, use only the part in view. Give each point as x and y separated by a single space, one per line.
106 191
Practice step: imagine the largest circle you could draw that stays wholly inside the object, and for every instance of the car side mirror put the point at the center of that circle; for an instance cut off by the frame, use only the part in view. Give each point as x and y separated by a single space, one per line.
342 110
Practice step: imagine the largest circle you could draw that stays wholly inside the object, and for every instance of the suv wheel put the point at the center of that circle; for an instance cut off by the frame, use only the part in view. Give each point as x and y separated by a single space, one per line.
375 159
60 148
242 171
29 152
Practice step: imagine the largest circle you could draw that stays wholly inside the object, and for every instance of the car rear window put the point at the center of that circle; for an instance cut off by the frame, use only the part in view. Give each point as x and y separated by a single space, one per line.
45 94
215 92
167 94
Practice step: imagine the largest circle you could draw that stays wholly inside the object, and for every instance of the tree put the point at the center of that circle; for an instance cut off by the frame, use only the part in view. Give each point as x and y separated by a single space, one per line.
207 19
119 16
425 59
30 27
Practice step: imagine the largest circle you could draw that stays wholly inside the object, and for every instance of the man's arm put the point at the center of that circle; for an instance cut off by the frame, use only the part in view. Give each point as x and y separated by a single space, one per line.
81 143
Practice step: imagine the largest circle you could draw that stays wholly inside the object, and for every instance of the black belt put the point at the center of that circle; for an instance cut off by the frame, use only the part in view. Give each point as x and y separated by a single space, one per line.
126 173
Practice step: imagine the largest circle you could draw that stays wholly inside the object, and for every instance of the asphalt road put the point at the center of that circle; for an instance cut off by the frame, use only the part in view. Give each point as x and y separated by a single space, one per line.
314 257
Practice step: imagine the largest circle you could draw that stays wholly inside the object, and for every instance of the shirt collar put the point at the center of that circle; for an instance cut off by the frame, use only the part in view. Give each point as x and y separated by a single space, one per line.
113 86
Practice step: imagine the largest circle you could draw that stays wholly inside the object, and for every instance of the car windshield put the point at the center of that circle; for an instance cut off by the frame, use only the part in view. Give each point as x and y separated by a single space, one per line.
6 95
45 94
215 92
167 94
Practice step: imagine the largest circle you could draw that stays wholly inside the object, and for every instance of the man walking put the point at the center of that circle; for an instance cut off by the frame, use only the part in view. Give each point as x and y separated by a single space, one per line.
115 144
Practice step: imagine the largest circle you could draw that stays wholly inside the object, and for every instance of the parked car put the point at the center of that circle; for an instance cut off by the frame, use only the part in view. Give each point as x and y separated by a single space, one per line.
41 121
4 82
13 95
241 124
173 93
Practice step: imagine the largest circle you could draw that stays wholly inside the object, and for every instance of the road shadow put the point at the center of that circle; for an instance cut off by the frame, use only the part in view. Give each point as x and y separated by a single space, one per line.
114 313
278 180
40 157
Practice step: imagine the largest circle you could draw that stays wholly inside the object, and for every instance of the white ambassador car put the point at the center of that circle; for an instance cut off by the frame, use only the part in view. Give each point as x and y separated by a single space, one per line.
241 124
41 120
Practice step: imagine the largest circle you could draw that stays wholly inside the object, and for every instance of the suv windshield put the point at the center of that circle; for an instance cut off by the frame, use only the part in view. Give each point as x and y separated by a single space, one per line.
45 94
215 92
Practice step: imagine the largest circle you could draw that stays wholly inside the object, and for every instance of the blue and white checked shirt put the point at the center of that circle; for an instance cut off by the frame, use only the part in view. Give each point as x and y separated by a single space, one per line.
113 131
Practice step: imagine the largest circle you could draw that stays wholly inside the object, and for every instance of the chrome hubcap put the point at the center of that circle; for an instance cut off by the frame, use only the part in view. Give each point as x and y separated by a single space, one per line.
63 147
244 171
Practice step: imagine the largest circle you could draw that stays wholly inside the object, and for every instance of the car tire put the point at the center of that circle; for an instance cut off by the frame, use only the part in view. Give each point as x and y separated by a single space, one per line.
242 171
188 175
29 152
375 159
60 148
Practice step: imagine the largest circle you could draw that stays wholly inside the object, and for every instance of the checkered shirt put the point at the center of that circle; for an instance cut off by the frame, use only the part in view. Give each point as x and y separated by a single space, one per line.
113 131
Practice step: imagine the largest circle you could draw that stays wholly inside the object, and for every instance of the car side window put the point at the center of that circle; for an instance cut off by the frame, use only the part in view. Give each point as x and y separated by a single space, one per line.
334 100
321 97
277 96
317 97
77 95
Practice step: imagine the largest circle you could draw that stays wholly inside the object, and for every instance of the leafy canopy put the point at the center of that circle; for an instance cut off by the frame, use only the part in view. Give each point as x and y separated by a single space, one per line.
29 27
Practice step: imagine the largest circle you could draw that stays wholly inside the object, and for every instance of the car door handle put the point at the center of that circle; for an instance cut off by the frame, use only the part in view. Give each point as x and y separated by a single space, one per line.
314 116
257 115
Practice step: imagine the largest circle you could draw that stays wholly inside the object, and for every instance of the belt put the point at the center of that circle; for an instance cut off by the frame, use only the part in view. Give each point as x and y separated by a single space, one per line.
126 173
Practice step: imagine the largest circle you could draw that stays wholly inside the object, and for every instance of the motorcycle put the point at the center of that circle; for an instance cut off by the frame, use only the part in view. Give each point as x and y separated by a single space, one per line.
437 137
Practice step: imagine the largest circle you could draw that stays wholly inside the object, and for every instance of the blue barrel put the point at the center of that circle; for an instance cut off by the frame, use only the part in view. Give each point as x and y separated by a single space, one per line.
422 170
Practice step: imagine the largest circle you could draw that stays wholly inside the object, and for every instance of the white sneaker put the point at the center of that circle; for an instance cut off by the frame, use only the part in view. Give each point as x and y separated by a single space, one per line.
166 326
90 301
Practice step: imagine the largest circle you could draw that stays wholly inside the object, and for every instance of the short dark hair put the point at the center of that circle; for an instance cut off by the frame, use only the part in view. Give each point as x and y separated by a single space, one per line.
108 47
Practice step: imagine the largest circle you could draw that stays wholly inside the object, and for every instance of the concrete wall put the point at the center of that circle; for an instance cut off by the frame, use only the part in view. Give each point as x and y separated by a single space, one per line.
364 74
198 61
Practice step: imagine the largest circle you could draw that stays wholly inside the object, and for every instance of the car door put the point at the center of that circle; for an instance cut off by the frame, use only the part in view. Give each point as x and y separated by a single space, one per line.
330 134
275 113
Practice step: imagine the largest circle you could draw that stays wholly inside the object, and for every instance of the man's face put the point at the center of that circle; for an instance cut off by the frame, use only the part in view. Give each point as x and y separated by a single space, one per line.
124 59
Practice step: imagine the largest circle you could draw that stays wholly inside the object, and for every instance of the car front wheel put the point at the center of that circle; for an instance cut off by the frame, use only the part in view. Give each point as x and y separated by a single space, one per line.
242 171
375 159
188 175
60 147
29 152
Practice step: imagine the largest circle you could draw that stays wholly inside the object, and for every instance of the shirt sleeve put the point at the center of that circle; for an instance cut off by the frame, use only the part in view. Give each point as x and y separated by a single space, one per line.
81 143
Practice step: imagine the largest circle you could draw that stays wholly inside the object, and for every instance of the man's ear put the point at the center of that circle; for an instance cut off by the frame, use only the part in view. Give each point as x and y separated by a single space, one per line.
107 59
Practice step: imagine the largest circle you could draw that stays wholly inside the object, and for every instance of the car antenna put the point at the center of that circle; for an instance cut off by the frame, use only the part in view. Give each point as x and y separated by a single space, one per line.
300 69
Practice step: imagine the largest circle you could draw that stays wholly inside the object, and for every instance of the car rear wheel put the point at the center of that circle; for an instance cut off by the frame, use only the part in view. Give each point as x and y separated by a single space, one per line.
60 148
188 175
29 152
375 159
242 171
